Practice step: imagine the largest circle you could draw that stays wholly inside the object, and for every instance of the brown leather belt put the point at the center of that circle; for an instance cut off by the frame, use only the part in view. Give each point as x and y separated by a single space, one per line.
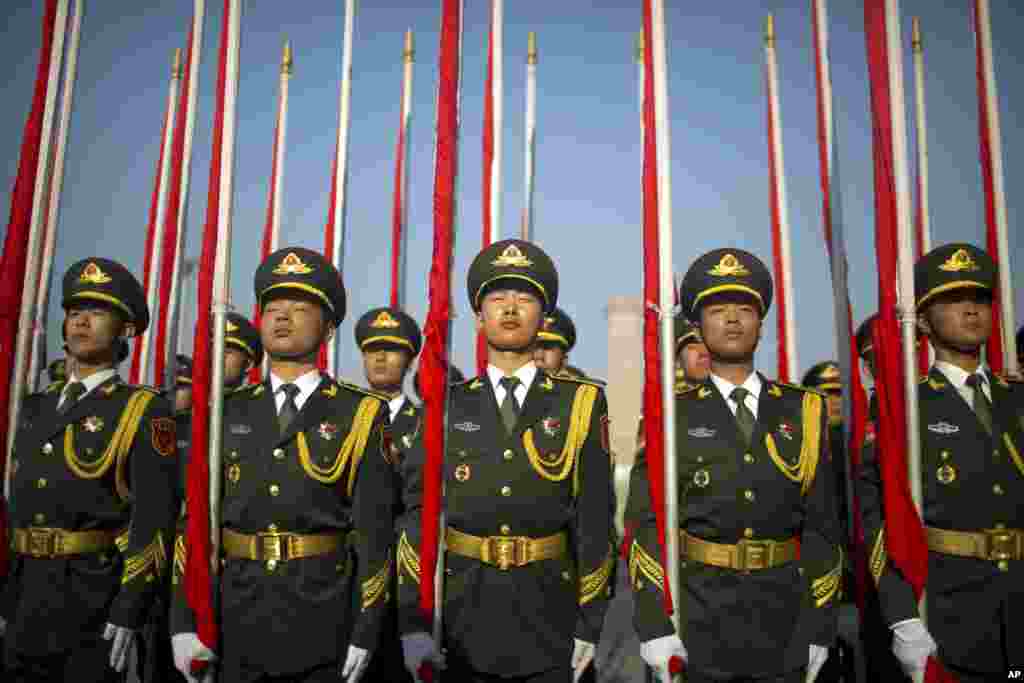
49 542
504 552
279 545
990 544
747 555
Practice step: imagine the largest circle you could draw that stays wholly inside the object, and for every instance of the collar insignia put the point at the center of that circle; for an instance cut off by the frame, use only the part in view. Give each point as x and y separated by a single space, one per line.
476 384
546 384
943 428
467 427
551 425
92 424
327 431
292 265
703 392
729 266
936 385
513 257
701 432
94 275
960 261
258 390
240 430
410 411
109 388
385 319
330 391
773 389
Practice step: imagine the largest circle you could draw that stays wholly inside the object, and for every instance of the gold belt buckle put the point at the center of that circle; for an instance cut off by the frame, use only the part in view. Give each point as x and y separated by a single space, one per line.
42 542
504 551
1001 544
272 545
753 554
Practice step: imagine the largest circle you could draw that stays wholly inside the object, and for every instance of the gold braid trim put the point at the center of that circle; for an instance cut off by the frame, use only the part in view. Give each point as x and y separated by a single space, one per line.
408 559
1014 455
118 449
804 469
351 448
595 583
149 561
558 467
878 557
825 588
377 585
640 562
180 555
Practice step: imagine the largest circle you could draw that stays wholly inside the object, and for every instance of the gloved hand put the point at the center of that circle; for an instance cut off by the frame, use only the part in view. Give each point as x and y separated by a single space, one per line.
816 659
355 664
582 656
187 647
912 645
659 651
418 648
123 642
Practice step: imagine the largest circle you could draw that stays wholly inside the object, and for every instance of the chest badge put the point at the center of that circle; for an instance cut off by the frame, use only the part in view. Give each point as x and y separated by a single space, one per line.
234 473
327 431
701 432
462 472
467 427
786 431
551 425
946 474
701 478
943 428
241 430
92 424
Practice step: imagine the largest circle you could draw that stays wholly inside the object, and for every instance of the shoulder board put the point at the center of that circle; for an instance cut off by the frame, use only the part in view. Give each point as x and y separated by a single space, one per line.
798 387
251 390
686 388
578 380
358 389
472 383
53 387
922 379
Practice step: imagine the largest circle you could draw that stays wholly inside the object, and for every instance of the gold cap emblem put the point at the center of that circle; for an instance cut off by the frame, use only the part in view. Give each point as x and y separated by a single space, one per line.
292 265
513 257
830 372
729 266
549 324
384 319
94 275
960 261
230 326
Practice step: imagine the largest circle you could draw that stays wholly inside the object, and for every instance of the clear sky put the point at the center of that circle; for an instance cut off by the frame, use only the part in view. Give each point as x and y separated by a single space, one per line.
588 152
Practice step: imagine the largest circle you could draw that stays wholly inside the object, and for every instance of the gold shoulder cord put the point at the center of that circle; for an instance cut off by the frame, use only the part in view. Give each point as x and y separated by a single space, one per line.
558 468
351 448
804 469
118 449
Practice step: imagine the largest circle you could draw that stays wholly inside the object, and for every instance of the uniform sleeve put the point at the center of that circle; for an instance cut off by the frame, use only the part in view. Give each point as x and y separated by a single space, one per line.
407 553
646 570
373 511
153 470
895 594
594 527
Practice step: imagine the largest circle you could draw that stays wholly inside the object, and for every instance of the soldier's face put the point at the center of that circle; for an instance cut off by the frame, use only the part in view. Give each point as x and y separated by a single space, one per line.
510 319
293 328
960 320
385 366
730 325
695 361
182 399
549 356
92 331
834 406
236 362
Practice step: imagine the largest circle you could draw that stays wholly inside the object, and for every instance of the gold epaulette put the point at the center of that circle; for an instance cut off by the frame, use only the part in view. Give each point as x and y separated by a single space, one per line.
361 390
579 380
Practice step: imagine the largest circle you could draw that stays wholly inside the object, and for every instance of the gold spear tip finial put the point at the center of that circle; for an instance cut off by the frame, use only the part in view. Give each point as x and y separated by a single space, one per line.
769 31
917 34
408 53
176 64
286 58
640 46
531 47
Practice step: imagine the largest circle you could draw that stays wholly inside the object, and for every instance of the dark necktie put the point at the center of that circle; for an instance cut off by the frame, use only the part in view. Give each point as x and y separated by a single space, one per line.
982 406
510 406
744 418
289 409
72 393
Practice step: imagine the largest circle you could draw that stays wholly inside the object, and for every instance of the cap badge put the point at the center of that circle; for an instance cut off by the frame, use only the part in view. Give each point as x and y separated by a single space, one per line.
292 265
959 261
513 257
830 372
94 275
230 326
384 319
729 266
549 324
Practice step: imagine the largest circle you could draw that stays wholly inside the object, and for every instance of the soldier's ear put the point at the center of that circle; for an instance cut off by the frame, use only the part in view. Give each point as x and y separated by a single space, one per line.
127 330
330 333
924 326
479 315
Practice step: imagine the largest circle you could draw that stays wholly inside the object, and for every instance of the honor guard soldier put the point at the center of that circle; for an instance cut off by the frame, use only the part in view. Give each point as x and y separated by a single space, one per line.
755 484
528 499
692 360
866 343
556 339
972 437
92 503
307 507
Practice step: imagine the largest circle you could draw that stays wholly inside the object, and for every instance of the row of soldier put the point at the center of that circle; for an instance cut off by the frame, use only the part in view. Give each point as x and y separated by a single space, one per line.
323 491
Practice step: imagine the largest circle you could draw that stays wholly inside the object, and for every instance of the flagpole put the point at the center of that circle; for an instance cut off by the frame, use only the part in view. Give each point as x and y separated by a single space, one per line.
992 142
531 135
400 208
53 203
26 316
188 273
785 310
923 227
341 169
497 96
282 131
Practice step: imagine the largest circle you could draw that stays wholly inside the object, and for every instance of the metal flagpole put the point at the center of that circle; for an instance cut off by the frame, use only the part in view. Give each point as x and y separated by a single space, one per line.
497 91
408 59
282 129
53 203
925 234
531 135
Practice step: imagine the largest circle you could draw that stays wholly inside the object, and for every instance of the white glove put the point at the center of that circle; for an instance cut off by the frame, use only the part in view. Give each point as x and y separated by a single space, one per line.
659 651
912 645
355 664
418 648
816 659
582 656
188 647
124 641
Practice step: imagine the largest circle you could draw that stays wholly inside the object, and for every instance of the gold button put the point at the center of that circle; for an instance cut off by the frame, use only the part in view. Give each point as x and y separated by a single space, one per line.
271 565
233 455
700 458
47 448
275 490
1003 565
39 518
41 484
748 458
279 453
748 494
1000 526
506 529
995 453
272 528
565 576
997 489
509 454
748 532
506 491
944 455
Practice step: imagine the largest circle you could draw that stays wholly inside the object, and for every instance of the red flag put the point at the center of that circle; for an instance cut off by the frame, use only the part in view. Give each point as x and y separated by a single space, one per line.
197 568
434 359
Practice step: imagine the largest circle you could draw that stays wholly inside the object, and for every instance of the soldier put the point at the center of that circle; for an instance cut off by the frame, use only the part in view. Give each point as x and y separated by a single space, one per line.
307 496
182 386
692 360
865 342
92 505
555 340
972 432
528 499
755 483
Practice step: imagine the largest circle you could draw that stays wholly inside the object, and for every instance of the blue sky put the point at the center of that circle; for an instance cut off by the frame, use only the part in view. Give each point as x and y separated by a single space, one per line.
588 153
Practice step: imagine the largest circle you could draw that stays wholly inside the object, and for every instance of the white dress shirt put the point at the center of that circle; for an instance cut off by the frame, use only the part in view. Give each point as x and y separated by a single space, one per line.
307 384
525 374
90 383
957 376
753 386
